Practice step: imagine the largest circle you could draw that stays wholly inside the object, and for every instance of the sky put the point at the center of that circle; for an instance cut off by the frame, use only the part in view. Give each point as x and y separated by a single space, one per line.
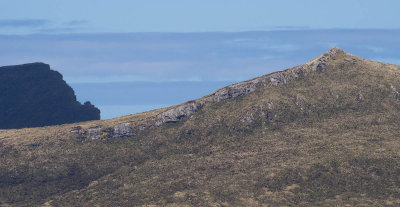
132 56
120 16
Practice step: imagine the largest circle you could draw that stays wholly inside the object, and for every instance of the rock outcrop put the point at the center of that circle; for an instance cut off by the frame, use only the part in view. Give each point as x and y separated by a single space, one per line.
177 113
320 63
234 90
123 130
33 95
94 133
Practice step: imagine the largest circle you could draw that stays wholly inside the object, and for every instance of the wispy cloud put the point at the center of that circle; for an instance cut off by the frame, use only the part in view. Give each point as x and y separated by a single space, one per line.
282 47
41 26
23 22
187 56
55 30
287 27
76 22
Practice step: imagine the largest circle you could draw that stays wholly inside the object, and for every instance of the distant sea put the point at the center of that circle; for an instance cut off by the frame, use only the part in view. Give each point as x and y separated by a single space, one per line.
124 98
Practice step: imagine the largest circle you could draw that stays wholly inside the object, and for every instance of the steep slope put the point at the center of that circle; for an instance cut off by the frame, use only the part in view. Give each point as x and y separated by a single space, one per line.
320 134
33 95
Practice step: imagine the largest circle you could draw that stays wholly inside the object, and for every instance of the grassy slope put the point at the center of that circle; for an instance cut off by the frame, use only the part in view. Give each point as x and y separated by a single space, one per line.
329 138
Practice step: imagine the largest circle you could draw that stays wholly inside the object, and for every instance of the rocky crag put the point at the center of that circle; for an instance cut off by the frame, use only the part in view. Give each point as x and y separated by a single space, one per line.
33 95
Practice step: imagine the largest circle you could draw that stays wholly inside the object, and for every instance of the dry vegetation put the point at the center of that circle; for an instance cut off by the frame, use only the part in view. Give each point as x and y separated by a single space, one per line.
329 138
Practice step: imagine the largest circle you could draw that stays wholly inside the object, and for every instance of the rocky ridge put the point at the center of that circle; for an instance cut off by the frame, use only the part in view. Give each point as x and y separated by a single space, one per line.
246 87
184 110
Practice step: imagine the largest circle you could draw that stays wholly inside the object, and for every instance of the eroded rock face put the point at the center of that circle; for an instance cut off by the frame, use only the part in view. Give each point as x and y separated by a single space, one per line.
175 114
234 90
277 79
297 71
123 130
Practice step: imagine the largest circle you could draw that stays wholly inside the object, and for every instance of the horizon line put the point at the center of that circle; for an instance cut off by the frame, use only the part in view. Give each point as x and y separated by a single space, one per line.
201 32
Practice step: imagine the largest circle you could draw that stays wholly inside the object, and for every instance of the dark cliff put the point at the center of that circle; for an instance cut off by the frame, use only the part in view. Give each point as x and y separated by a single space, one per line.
33 95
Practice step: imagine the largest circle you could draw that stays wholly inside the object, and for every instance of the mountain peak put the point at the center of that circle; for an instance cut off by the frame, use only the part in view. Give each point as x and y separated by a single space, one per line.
322 59
334 50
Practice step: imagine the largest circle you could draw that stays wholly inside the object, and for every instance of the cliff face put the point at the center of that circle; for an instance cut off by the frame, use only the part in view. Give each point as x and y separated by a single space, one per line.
33 95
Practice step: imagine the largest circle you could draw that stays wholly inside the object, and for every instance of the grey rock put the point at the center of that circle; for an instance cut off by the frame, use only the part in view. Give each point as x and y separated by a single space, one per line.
277 79
94 132
76 130
297 71
321 63
333 51
141 128
334 95
175 114
300 102
394 91
270 105
246 119
234 90
360 97
123 130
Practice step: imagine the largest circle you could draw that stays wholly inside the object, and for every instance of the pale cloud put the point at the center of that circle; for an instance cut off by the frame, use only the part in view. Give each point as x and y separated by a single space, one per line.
187 56
23 23
282 47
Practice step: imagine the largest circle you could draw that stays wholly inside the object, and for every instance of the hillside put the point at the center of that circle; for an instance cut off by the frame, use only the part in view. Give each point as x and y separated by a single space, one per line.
33 95
320 134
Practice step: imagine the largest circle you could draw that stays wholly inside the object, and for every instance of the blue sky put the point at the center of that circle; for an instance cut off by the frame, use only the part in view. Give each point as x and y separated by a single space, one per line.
131 56
119 16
